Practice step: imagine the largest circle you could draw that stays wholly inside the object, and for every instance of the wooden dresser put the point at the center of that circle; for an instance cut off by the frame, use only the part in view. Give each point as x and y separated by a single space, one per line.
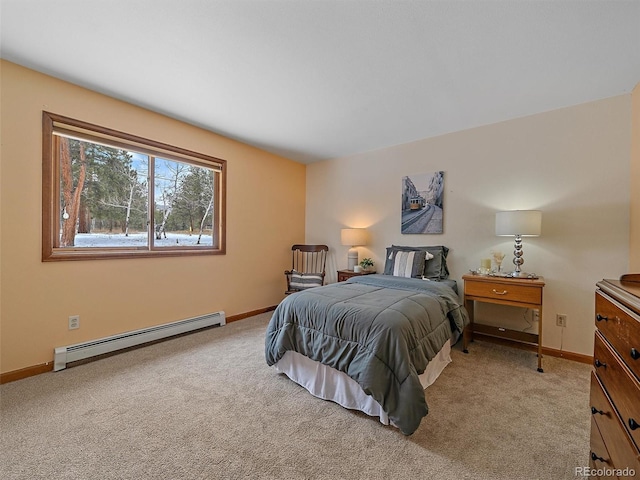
615 380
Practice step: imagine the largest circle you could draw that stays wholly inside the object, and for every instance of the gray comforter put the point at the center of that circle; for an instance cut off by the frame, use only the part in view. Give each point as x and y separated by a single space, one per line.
378 329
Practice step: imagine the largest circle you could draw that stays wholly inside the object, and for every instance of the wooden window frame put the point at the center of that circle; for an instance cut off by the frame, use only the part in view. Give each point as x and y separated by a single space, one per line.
53 124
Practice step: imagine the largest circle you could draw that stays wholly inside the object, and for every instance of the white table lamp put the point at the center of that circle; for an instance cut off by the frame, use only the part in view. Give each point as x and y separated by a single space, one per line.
353 237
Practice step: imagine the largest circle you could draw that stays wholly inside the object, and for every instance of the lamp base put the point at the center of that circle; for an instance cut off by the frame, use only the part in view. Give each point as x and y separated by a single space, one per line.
352 258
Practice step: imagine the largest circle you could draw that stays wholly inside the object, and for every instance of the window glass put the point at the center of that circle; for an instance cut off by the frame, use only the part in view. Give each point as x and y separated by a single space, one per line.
97 186
183 204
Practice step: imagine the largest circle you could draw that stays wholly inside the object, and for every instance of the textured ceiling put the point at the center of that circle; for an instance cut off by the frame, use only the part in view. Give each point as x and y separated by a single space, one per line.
312 80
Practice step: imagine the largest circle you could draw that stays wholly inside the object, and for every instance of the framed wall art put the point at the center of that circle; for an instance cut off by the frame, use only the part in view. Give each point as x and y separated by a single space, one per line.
422 203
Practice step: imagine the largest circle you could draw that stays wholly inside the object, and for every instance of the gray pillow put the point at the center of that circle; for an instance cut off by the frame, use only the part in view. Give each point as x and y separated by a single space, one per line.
434 268
404 263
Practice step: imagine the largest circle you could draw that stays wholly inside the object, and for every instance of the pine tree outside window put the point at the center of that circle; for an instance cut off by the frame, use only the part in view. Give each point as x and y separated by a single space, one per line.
107 194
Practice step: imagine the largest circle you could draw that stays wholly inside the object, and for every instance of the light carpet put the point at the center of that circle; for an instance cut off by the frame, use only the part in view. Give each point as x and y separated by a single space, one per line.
206 406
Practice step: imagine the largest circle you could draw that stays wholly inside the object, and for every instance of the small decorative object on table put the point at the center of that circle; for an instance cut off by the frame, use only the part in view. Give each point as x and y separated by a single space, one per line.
366 264
485 266
497 259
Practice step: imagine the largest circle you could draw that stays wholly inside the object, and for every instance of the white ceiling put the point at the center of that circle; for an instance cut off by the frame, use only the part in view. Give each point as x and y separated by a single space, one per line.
317 79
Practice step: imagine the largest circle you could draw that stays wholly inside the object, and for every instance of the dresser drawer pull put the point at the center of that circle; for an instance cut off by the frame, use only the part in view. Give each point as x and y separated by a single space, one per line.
633 424
503 292
595 457
635 354
599 364
599 318
594 410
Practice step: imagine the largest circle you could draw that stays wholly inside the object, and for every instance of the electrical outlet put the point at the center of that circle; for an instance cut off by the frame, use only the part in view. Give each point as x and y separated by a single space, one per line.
74 322
561 320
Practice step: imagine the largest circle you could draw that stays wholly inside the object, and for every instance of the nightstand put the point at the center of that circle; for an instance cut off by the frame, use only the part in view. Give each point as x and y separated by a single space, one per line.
345 274
516 292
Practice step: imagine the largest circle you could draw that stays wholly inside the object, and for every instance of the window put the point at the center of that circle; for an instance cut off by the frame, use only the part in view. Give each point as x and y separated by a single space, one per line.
107 194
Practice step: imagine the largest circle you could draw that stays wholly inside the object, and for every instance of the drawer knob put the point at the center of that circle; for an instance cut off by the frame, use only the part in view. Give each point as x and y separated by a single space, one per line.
599 364
635 354
503 292
595 457
633 424
594 410
599 318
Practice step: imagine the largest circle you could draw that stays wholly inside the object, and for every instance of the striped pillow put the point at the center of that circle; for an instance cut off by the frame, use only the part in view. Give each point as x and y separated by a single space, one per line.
302 281
435 265
404 263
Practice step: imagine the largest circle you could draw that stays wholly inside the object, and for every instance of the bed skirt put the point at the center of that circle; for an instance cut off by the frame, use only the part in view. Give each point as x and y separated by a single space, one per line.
328 383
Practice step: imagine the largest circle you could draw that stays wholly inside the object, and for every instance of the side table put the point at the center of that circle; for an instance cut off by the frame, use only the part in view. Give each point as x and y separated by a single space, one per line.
513 291
345 274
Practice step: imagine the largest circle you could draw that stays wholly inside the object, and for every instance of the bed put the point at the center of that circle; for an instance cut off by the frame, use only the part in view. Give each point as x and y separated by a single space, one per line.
371 343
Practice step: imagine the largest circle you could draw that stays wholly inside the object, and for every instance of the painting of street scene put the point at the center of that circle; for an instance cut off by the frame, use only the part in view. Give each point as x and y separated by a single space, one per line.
422 203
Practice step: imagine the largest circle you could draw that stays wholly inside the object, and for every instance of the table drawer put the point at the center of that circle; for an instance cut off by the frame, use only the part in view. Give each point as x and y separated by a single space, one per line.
619 445
621 386
621 327
503 291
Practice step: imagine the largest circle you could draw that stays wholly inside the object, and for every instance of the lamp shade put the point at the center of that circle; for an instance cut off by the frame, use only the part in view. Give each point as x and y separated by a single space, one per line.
353 236
527 223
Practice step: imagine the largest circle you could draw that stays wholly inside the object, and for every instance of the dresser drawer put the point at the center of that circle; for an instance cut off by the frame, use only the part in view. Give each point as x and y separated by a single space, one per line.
619 447
621 327
621 386
599 458
599 455
503 291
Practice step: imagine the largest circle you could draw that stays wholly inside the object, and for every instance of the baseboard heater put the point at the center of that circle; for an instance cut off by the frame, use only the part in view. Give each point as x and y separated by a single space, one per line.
81 351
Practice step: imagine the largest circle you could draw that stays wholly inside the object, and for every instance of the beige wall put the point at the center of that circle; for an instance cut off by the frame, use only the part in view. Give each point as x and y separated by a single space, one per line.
573 164
113 296
634 243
